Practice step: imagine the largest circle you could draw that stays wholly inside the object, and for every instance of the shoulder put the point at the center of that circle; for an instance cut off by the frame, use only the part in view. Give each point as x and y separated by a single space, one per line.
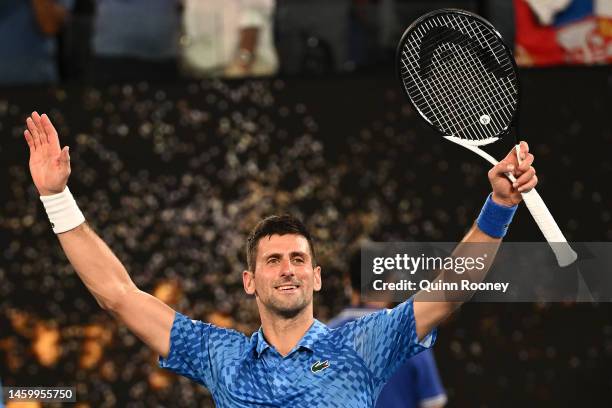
215 336
349 314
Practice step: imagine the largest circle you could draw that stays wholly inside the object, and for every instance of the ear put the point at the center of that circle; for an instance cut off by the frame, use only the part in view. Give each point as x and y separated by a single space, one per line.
317 279
248 281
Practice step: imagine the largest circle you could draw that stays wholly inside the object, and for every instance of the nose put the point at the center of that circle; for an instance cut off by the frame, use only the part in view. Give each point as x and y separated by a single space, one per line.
287 268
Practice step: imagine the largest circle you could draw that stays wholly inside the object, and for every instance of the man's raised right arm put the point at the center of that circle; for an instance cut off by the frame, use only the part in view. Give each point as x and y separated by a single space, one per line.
102 273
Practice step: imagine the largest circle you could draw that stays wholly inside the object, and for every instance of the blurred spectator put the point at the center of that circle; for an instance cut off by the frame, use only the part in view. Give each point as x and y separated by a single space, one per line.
28 47
313 36
1 398
374 31
136 39
74 43
417 383
232 38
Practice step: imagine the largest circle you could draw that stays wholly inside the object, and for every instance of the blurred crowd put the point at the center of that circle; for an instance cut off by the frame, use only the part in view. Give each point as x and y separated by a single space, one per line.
172 184
173 177
46 41
43 40
173 168
93 41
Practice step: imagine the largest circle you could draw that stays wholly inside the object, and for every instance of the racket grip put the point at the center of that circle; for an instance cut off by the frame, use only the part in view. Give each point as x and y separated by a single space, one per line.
563 251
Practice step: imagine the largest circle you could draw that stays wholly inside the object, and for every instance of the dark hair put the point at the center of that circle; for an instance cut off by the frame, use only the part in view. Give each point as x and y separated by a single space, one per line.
276 225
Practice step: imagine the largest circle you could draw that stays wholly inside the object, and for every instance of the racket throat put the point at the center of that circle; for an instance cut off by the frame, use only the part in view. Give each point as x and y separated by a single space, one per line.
472 145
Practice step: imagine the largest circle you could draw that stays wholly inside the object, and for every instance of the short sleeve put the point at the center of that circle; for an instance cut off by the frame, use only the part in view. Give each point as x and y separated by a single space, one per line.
385 340
189 350
199 350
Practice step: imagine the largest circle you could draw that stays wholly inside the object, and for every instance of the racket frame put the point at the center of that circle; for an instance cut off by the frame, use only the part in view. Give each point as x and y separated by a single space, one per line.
564 253
398 57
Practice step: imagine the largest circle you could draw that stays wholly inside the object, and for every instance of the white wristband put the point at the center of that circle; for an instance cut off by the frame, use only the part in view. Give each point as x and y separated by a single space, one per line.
62 211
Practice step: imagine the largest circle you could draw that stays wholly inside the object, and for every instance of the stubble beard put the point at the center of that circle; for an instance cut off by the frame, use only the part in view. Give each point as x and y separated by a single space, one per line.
287 310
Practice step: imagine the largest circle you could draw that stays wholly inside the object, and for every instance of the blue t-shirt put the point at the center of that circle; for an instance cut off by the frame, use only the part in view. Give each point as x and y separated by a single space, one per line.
415 384
343 367
27 55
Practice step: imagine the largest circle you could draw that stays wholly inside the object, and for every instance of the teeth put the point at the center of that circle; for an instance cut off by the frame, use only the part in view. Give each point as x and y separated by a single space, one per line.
287 287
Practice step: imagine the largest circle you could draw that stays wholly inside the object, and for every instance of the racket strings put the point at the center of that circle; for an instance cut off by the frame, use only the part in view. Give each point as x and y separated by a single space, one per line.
487 97
484 97
447 117
510 94
457 85
470 82
440 35
465 93
454 87
441 96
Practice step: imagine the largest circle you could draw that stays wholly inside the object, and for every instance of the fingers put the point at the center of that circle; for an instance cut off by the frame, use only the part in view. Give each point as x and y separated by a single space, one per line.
528 185
524 178
42 134
511 157
525 165
517 164
525 169
526 159
48 126
28 138
50 130
525 173
524 149
39 127
37 134
65 155
501 168
34 133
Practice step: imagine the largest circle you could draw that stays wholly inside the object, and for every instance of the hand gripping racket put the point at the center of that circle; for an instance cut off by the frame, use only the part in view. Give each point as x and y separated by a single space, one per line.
461 78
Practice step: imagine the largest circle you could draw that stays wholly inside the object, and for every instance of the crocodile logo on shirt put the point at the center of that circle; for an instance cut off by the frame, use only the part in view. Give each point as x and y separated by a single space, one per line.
319 366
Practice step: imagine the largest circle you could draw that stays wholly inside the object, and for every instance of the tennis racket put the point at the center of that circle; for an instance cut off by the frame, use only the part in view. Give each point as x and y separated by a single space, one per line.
462 79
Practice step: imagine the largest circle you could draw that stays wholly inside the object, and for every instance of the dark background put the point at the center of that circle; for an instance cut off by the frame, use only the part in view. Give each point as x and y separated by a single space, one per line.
371 168
173 175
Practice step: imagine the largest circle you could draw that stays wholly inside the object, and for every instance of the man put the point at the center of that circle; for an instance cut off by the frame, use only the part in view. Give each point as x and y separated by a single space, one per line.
293 360
416 383
28 47
233 38
136 40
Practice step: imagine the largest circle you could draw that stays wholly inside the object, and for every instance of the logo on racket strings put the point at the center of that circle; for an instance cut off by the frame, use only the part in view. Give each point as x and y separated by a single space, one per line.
485 119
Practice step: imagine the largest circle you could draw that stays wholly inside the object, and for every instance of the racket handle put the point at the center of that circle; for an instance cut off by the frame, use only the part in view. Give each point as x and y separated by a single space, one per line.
563 251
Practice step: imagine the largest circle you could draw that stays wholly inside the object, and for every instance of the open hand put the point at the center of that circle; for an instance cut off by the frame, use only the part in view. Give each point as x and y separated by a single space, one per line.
49 164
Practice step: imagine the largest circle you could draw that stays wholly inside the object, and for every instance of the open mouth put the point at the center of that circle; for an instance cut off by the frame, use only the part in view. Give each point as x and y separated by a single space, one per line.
287 288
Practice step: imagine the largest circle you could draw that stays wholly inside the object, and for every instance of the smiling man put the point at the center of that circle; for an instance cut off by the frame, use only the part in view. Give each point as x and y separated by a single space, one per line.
293 360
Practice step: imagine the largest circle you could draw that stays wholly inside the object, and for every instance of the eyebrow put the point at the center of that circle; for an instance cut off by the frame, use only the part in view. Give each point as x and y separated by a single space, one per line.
292 254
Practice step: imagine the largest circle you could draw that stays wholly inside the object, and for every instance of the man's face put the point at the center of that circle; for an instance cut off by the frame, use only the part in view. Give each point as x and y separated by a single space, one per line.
284 279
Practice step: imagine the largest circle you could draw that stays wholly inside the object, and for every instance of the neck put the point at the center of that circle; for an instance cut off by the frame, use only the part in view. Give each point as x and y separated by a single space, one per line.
284 333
